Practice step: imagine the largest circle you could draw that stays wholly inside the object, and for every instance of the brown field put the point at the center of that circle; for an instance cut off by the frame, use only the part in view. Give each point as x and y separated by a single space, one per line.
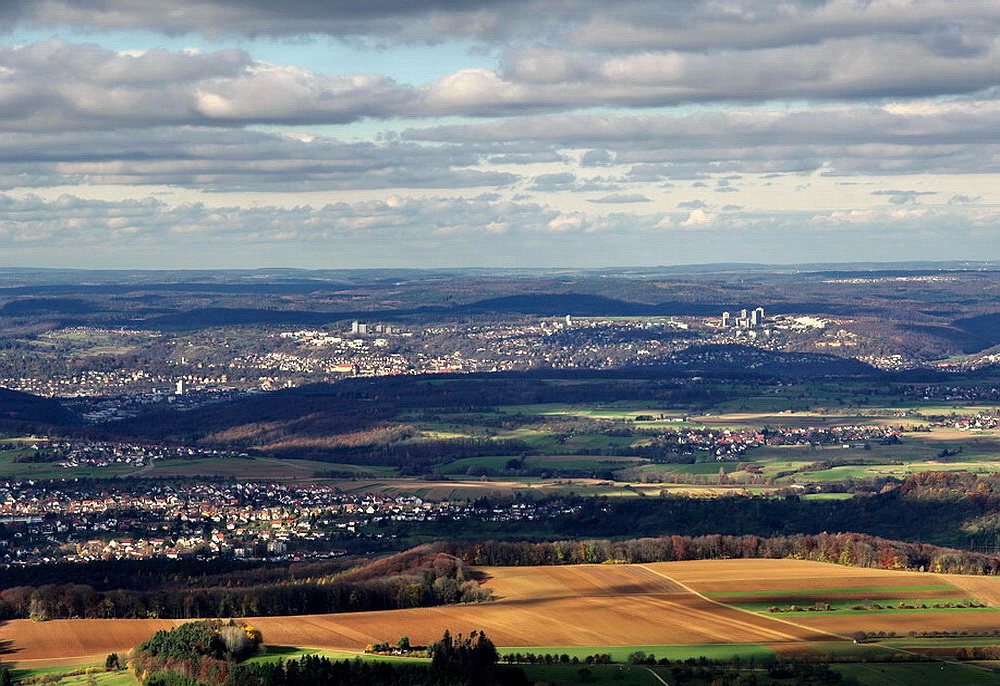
766 571
768 586
902 624
801 598
801 581
453 489
70 638
981 440
984 588
439 490
258 468
581 605
586 605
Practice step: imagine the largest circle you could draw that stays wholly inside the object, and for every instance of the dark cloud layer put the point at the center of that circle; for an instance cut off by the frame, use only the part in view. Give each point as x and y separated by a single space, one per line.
953 138
949 27
235 160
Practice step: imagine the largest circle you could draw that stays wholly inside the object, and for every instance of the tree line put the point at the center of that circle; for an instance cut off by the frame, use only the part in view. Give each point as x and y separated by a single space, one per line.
213 654
417 578
858 550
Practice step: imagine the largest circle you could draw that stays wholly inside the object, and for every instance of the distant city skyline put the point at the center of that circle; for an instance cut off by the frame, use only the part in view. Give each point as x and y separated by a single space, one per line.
489 133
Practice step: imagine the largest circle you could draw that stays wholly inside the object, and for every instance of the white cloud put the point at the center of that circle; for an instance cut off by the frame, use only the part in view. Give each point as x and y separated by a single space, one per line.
698 217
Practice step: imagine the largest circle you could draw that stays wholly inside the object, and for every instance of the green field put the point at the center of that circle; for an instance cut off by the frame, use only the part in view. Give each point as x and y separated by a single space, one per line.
95 675
829 404
275 653
712 651
917 674
845 609
817 591
623 675
868 672
123 678
498 463
10 468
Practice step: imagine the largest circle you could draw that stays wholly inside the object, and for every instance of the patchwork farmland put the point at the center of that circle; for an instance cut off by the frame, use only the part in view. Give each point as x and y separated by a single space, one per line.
697 603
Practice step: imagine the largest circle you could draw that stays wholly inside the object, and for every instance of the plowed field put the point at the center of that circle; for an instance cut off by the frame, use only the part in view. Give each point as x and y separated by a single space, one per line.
584 605
985 588
902 624
767 571
799 581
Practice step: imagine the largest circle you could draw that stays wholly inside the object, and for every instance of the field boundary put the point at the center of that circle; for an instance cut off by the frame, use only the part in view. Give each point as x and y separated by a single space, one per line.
803 626
739 609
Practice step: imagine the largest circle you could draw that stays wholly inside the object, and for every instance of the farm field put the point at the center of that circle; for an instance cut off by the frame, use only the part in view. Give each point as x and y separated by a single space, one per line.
975 451
581 462
588 605
671 610
10 468
252 468
931 674
756 585
460 489
583 606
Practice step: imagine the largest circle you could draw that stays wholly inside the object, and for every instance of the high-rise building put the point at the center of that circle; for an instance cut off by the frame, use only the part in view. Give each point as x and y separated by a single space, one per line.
725 320
569 320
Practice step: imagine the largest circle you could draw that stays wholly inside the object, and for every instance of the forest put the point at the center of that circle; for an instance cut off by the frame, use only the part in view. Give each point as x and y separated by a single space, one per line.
441 574
213 653
856 550
902 511
417 578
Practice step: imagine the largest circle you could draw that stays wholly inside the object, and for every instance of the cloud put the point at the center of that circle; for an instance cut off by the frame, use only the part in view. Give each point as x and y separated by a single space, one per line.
559 181
698 217
390 19
897 197
961 136
236 160
617 198
443 231
916 122
597 158
57 85
638 25
526 156
71 219
873 89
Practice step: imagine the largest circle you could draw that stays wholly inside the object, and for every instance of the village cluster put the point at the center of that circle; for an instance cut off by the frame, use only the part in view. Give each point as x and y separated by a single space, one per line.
44 522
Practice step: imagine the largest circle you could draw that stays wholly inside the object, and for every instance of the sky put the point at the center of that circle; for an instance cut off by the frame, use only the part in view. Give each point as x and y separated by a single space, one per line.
497 133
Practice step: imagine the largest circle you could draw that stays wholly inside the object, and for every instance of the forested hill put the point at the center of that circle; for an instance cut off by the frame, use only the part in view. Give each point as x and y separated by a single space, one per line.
325 411
752 361
19 409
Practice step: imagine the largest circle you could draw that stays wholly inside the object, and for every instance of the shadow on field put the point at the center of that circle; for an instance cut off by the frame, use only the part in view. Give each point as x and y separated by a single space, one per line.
6 645
282 650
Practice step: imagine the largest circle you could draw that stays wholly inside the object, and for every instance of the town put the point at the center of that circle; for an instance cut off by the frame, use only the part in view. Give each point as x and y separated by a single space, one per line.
46 522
